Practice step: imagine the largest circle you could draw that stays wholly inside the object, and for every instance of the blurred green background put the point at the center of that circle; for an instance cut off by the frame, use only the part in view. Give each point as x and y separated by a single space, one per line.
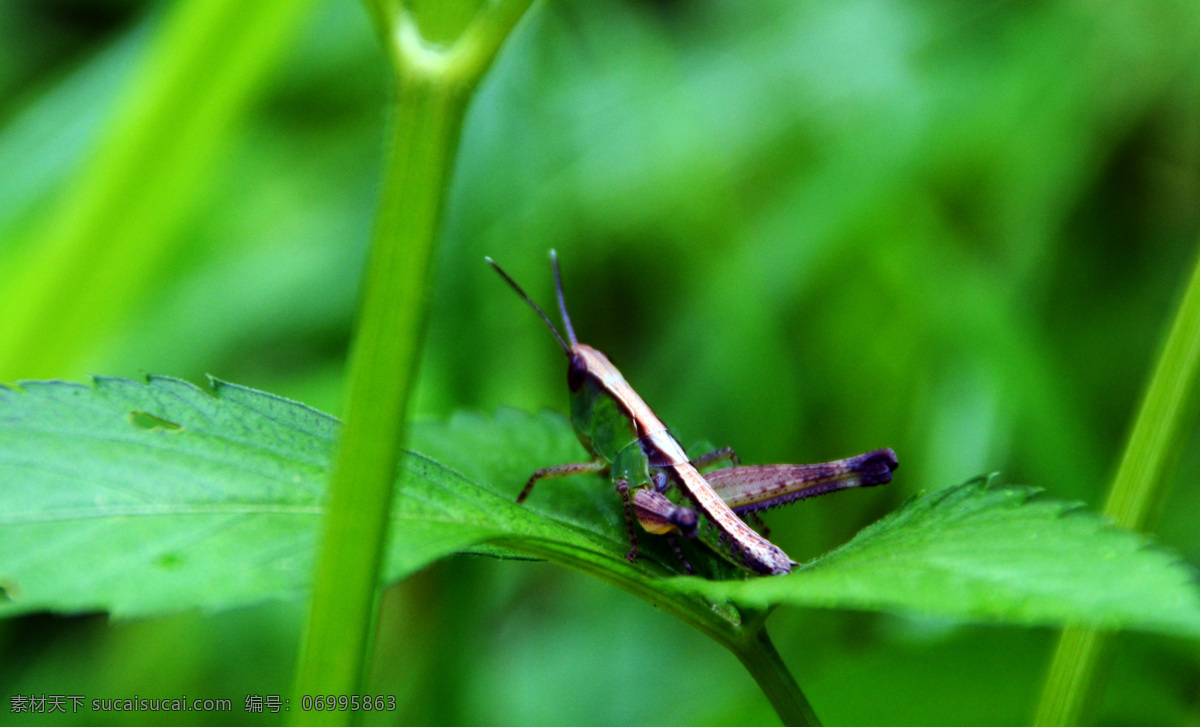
804 230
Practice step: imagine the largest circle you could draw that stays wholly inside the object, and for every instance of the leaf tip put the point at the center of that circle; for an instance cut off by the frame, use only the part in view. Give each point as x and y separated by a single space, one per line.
215 385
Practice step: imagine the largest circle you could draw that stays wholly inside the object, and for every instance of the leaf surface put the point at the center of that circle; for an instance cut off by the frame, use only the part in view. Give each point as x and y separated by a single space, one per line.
991 553
145 498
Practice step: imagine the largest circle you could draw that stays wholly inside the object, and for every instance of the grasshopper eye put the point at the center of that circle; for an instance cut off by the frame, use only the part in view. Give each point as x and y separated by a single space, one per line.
576 372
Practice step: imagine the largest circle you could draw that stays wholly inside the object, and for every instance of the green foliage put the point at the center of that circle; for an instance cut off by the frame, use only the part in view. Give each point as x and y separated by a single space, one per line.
105 513
1076 679
109 236
992 553
802 230
433 86
141 499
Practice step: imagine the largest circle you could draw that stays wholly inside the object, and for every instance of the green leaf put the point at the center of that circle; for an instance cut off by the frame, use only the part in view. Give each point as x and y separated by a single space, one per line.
147 498
989 553
142 498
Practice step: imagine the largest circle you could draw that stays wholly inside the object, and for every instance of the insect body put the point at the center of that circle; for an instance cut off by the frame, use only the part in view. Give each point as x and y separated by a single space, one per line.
747 490
646 464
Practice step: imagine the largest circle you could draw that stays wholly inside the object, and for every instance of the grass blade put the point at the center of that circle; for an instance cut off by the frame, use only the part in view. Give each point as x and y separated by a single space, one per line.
1075 682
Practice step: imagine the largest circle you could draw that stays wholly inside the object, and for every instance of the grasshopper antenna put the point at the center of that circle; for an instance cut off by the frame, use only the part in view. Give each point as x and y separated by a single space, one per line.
562 303
566 349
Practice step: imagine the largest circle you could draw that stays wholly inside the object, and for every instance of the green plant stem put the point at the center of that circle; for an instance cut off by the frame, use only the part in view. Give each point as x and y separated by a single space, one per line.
760 658
91 260
1078 671
748 641
433 88
382 368
1075 683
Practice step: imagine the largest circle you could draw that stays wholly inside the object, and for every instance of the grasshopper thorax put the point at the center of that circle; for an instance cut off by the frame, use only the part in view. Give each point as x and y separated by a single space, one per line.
576 372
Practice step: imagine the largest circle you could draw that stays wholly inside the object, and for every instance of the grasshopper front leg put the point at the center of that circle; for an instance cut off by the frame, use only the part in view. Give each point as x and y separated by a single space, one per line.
687 567
622 487
562 470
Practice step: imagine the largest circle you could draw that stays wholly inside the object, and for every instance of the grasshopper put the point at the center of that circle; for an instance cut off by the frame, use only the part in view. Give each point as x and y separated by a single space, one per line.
629 443
748 490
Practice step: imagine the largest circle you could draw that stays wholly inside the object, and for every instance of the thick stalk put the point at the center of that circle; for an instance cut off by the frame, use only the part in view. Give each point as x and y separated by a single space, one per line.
760 658
748 641
382 367
1078 672
1075 683
434 85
